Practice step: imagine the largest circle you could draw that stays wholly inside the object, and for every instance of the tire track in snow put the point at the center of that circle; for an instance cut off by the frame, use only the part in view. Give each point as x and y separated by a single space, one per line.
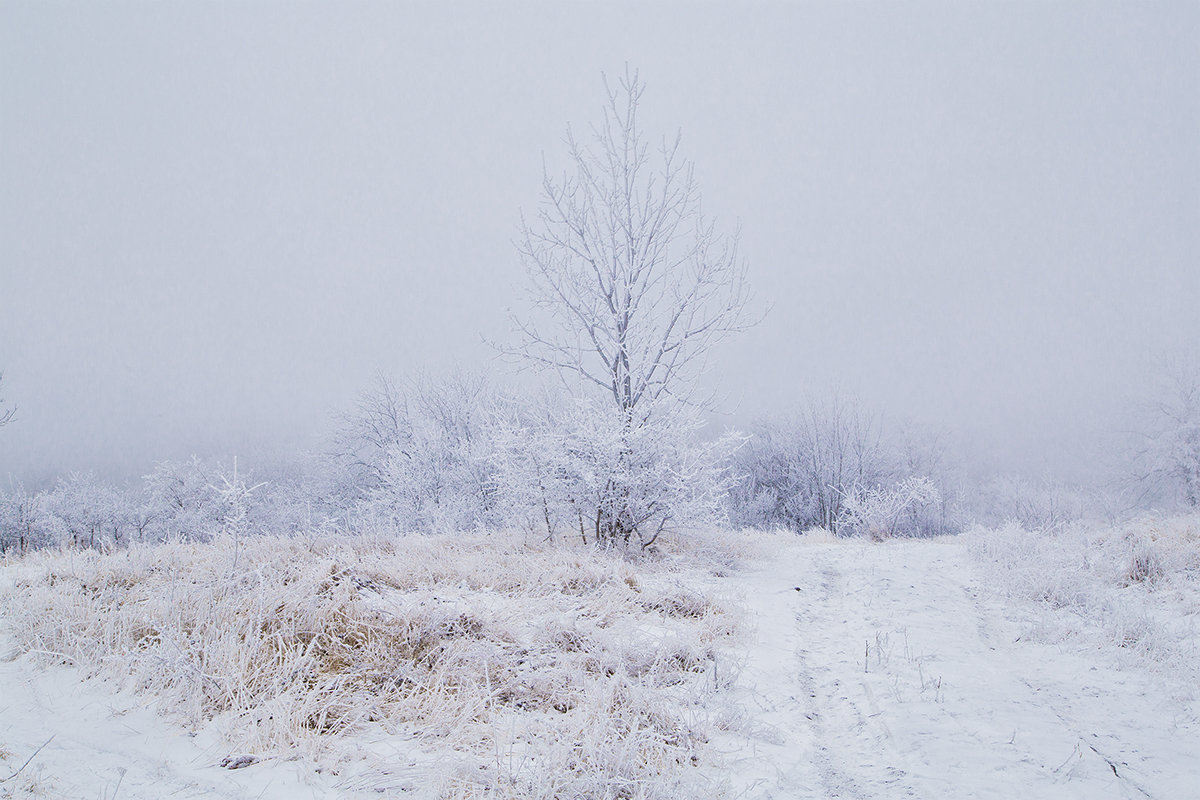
781 758
840 706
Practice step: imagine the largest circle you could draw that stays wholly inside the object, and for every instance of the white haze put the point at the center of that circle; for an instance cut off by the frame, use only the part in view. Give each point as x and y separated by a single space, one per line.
218 221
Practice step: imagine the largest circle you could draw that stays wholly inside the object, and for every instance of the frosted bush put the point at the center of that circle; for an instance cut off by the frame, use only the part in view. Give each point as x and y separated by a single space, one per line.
416 455
795 471
880 512
574 466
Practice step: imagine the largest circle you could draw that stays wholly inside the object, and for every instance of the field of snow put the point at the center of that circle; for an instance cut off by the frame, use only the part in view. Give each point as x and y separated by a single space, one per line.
893 670
746 665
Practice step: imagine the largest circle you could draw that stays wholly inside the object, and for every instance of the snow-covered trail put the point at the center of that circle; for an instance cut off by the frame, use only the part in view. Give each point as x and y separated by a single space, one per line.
888 671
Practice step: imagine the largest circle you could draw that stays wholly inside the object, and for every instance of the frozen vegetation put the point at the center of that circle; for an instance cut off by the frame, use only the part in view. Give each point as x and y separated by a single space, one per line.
579 592
1134 585
476 666
1051 664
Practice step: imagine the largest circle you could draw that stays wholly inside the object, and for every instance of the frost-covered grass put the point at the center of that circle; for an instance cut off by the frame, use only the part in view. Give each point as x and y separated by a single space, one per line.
1135 585
507 668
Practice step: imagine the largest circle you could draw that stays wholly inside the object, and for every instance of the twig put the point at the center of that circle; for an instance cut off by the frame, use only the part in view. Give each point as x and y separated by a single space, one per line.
1112 765
26 764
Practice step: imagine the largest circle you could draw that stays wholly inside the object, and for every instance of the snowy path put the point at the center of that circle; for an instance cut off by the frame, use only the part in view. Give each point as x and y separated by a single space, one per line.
886 671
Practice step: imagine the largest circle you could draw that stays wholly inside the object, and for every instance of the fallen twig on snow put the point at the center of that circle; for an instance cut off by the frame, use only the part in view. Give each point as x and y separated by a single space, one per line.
26 764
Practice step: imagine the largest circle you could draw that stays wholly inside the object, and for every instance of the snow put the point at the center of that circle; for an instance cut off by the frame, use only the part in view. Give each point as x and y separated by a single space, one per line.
97 743
883 670
890 670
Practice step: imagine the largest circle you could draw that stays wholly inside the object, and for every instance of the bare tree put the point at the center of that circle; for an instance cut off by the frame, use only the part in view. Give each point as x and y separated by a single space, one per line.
632 286
5 416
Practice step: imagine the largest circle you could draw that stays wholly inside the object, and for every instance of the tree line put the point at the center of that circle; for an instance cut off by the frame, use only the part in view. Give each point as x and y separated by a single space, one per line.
630 288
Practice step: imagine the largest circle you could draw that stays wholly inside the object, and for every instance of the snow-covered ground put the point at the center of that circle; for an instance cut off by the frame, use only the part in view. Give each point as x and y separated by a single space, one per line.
890 670
875 671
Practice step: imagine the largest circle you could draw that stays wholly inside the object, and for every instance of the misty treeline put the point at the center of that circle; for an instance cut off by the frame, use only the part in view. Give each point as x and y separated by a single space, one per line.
457 453
631 288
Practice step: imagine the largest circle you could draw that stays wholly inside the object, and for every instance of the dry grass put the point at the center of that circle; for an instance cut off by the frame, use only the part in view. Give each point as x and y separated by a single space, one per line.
1135 585
510 669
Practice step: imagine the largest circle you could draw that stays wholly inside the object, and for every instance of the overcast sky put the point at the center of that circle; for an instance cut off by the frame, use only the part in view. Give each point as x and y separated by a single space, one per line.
219 220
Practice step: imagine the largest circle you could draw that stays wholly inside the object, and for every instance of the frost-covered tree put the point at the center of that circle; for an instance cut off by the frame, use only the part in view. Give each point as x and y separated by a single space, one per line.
573 465
631 287
85 512
304 496
24 522
796 471
142 517
235 495
417 455
924 451
183 499
1166 446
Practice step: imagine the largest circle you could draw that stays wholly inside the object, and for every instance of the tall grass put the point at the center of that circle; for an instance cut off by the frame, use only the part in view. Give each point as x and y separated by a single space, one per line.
512 669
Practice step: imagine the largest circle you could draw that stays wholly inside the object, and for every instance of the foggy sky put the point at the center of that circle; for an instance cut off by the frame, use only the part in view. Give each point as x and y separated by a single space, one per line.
218 221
